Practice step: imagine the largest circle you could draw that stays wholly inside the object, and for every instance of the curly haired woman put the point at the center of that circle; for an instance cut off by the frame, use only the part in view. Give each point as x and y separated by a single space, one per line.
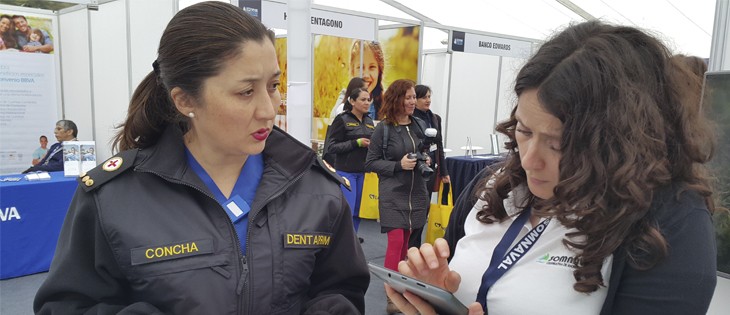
604 203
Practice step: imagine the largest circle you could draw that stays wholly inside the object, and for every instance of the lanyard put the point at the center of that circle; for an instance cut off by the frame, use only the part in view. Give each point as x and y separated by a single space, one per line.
502 260
55 150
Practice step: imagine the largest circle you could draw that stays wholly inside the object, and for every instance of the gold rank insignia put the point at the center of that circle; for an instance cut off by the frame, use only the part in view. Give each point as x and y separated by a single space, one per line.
89 182
329 167
112 164
347 181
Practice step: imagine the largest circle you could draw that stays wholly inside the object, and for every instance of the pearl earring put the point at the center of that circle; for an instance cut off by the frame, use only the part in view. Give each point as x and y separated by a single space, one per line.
191 115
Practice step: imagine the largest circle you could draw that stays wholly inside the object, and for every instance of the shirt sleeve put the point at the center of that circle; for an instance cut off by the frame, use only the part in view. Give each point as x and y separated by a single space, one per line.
46 38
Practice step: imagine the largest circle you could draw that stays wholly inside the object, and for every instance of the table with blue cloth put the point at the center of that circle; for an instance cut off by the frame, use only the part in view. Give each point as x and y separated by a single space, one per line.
31 219
463 168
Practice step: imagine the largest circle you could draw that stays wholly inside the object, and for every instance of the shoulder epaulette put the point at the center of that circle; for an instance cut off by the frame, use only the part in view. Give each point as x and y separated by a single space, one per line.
107 170
332 172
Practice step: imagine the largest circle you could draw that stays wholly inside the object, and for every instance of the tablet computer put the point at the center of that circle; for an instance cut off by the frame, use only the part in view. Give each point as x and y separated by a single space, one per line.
442 301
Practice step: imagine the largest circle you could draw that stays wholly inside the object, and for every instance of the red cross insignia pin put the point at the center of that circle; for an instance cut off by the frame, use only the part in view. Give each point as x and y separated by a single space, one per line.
112 164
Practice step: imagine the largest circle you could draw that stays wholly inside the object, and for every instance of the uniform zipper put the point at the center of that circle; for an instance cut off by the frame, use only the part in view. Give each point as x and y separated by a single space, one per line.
413 179
249 296
242 267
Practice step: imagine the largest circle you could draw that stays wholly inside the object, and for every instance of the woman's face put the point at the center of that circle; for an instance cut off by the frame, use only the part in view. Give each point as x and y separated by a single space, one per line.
371 71
409 103
235 112
362 103
538 135
5 25
424 103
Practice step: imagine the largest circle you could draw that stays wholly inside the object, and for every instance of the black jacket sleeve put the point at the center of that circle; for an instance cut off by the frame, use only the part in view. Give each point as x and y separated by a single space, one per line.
684 282
84 277
338 142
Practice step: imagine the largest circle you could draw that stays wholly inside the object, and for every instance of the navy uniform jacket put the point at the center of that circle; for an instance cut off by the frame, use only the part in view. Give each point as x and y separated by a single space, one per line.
144 235
346 129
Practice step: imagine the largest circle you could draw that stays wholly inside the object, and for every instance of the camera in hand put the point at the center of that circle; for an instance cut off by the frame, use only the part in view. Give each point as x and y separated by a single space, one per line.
421 156
421 166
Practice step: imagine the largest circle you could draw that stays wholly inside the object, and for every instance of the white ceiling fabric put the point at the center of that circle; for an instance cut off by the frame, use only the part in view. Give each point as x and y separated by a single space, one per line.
684 25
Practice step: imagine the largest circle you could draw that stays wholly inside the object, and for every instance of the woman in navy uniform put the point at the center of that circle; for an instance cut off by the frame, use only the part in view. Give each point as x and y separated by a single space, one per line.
351 131
208 208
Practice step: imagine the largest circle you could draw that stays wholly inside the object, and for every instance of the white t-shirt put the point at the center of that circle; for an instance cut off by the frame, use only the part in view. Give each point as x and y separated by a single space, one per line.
540 283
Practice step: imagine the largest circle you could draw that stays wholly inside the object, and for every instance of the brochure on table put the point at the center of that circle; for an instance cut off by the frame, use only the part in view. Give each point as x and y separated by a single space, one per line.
78 157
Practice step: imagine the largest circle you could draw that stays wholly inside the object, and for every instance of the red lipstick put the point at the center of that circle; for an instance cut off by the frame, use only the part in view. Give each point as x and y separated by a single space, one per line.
261 134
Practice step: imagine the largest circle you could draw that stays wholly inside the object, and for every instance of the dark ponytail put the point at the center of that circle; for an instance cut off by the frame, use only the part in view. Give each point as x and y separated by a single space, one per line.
150 111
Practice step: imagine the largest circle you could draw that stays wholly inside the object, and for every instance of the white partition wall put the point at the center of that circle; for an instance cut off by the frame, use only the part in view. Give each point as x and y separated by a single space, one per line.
110 70
75 71
472 100
435 74
147 21
106 53
507 99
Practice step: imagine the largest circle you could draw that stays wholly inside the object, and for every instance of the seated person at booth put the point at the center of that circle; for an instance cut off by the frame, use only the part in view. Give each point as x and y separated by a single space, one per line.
605 193
53 161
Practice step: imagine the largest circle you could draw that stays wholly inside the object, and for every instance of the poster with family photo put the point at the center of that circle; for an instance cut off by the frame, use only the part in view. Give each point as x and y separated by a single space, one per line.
29 102
71 158
25 33
88 155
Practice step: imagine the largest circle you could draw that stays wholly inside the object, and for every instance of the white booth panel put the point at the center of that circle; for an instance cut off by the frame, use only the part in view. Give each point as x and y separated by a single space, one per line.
110 72
472 101
75 72
507 98
435 74
147 21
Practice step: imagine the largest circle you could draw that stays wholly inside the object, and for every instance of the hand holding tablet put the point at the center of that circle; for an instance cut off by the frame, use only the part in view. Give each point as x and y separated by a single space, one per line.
427 269
442 301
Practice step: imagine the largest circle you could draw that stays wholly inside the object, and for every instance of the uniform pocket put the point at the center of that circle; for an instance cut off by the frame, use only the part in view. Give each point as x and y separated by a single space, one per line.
177 257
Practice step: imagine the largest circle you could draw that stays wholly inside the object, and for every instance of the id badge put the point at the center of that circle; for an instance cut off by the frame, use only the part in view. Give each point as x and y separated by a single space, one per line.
432 148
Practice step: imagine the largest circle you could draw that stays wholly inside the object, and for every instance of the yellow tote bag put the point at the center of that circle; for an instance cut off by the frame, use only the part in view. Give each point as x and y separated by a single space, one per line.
438 215
369 199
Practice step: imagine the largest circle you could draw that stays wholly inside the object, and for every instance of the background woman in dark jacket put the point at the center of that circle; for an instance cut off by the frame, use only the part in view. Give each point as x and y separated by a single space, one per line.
435 151
403 198
350 136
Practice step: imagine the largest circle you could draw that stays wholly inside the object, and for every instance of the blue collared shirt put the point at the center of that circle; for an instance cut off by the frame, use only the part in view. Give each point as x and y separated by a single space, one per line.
238 204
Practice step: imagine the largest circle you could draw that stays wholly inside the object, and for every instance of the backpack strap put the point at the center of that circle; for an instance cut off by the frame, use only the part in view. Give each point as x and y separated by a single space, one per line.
384 145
